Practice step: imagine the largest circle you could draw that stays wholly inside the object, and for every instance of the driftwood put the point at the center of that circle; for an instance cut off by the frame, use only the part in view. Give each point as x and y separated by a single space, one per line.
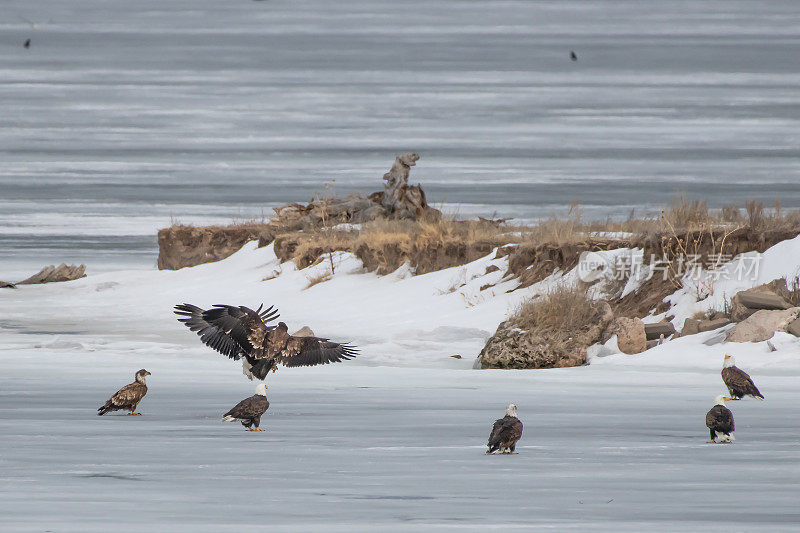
400 198
7 285
53 274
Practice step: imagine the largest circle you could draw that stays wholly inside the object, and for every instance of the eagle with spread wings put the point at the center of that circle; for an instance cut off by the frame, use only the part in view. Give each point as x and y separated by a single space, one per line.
242 333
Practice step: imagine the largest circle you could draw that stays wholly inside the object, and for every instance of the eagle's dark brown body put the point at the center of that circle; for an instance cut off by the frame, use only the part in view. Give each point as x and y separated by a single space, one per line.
739 383
128 397
240 332
248 411
719 421
505 433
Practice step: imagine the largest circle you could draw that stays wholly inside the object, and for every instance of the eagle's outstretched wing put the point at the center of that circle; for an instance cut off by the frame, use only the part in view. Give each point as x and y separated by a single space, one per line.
310 351
230 330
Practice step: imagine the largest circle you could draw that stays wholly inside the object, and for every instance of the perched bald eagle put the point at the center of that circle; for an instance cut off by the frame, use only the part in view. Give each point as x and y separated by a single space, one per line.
249 410
738 382
128 397
719 421
241 333
506 432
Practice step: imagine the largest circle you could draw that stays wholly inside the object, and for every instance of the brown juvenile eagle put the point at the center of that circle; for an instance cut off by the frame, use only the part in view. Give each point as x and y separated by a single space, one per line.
241 333
738 382
719 421
128 397
506 432
249 410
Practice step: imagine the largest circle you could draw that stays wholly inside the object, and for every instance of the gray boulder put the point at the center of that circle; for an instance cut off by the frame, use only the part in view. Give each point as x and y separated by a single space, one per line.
762 325
745 303
655 331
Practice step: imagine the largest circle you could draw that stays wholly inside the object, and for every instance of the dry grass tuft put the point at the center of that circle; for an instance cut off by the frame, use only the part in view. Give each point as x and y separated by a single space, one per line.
564 311
319 278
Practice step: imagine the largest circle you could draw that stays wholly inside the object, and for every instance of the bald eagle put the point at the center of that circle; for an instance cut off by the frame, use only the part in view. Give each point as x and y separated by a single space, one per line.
506 432
241 333
249 410
719 421
128 397
738 382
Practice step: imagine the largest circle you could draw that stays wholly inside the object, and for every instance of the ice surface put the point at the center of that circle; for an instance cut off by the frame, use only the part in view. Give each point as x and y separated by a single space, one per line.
393 440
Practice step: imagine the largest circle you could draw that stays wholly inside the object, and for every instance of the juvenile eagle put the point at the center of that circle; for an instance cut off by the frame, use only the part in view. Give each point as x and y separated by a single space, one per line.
128 397
506 432
738 382
249 410
241 333
719 421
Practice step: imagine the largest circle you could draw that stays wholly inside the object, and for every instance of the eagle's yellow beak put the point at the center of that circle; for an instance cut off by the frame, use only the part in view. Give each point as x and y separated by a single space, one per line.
727 356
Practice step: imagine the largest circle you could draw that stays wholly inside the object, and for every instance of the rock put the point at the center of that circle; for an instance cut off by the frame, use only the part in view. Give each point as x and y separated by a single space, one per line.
762 325
54 274
755 300
305 331
512 347
710 325
653 343
655 331
794 328
491 268
766 296
690 327
693 325
631 337
7 285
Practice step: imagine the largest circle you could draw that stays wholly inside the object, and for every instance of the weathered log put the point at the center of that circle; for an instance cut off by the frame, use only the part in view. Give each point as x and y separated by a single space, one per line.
54 274
400 198
654 331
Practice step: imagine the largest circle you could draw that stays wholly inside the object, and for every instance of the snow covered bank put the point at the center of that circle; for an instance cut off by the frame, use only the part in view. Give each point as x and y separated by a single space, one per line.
398 319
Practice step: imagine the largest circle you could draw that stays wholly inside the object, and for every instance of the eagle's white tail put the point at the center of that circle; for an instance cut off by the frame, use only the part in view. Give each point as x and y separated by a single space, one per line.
722 437
228 418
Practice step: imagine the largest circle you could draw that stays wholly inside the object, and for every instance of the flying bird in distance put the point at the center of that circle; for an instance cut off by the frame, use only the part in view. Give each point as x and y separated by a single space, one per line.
739 383
128 397
241 333
249 410
506 432
719 421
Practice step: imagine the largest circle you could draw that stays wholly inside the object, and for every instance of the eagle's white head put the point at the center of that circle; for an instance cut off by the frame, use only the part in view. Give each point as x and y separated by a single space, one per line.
261 389
511 410
729 361
720 400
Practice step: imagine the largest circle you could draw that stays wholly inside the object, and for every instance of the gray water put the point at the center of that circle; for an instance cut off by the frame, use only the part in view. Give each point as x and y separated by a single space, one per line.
123 117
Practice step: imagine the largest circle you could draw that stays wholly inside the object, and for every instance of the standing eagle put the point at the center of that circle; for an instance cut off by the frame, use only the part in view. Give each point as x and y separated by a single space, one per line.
719 420
738 382
128 397
249 410
241 333
506 432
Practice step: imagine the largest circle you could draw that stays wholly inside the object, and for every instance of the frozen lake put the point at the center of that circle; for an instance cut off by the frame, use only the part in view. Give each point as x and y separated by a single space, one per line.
354 448
124 116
